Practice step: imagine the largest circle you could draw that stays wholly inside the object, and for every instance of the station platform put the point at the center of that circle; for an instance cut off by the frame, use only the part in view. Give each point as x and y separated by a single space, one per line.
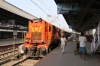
5 39
4 42
56 58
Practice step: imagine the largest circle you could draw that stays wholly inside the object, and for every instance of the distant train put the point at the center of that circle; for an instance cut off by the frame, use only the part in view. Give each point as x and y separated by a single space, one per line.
9 34
42 37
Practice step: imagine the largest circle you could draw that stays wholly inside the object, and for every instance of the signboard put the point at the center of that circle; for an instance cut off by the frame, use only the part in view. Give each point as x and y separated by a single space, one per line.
91 32
10 24
67 8
14 32
7 22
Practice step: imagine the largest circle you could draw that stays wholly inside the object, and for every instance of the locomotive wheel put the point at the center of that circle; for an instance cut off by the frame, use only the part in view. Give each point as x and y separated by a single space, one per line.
28 52
49 50
38 52
45 52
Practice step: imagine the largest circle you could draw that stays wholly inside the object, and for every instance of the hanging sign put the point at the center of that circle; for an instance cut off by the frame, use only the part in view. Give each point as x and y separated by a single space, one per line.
67 8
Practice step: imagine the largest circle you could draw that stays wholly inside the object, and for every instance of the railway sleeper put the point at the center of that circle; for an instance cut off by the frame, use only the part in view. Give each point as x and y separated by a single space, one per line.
7 53
4 61
20 61
8 57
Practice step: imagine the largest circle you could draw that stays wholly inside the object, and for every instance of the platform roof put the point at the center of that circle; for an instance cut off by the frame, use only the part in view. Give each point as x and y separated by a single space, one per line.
9 11
87 17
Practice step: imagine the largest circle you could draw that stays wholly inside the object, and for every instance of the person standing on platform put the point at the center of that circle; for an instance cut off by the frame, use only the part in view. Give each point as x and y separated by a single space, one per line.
63 42
22 49
82 40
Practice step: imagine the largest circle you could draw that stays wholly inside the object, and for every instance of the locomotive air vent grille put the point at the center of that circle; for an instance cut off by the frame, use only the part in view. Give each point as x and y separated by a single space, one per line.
36 35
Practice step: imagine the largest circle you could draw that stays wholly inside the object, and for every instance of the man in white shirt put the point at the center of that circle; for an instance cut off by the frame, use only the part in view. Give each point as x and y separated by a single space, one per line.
63 43
22 49
82 40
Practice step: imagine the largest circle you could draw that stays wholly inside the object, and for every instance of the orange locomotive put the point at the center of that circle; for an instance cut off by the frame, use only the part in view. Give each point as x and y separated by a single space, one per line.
41 37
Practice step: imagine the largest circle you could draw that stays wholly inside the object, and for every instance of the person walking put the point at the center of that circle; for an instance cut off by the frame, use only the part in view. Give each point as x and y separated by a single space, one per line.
63 43
82 40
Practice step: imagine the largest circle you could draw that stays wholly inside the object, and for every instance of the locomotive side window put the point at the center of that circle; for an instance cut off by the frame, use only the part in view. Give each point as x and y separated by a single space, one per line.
54 29
46 28
49 28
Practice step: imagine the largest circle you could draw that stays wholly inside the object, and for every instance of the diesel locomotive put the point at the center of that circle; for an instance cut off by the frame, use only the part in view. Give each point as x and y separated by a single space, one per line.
41 38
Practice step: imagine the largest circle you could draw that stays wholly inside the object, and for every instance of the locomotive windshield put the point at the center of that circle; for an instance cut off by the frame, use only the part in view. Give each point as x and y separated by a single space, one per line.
36 20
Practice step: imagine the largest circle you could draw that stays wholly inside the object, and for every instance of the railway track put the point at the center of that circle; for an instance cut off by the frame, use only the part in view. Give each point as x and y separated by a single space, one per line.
25 61
8 46
6 56
6 53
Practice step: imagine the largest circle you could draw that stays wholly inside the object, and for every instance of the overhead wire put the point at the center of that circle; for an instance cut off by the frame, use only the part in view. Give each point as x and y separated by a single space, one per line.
39 7
46 6
48 9
42 9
